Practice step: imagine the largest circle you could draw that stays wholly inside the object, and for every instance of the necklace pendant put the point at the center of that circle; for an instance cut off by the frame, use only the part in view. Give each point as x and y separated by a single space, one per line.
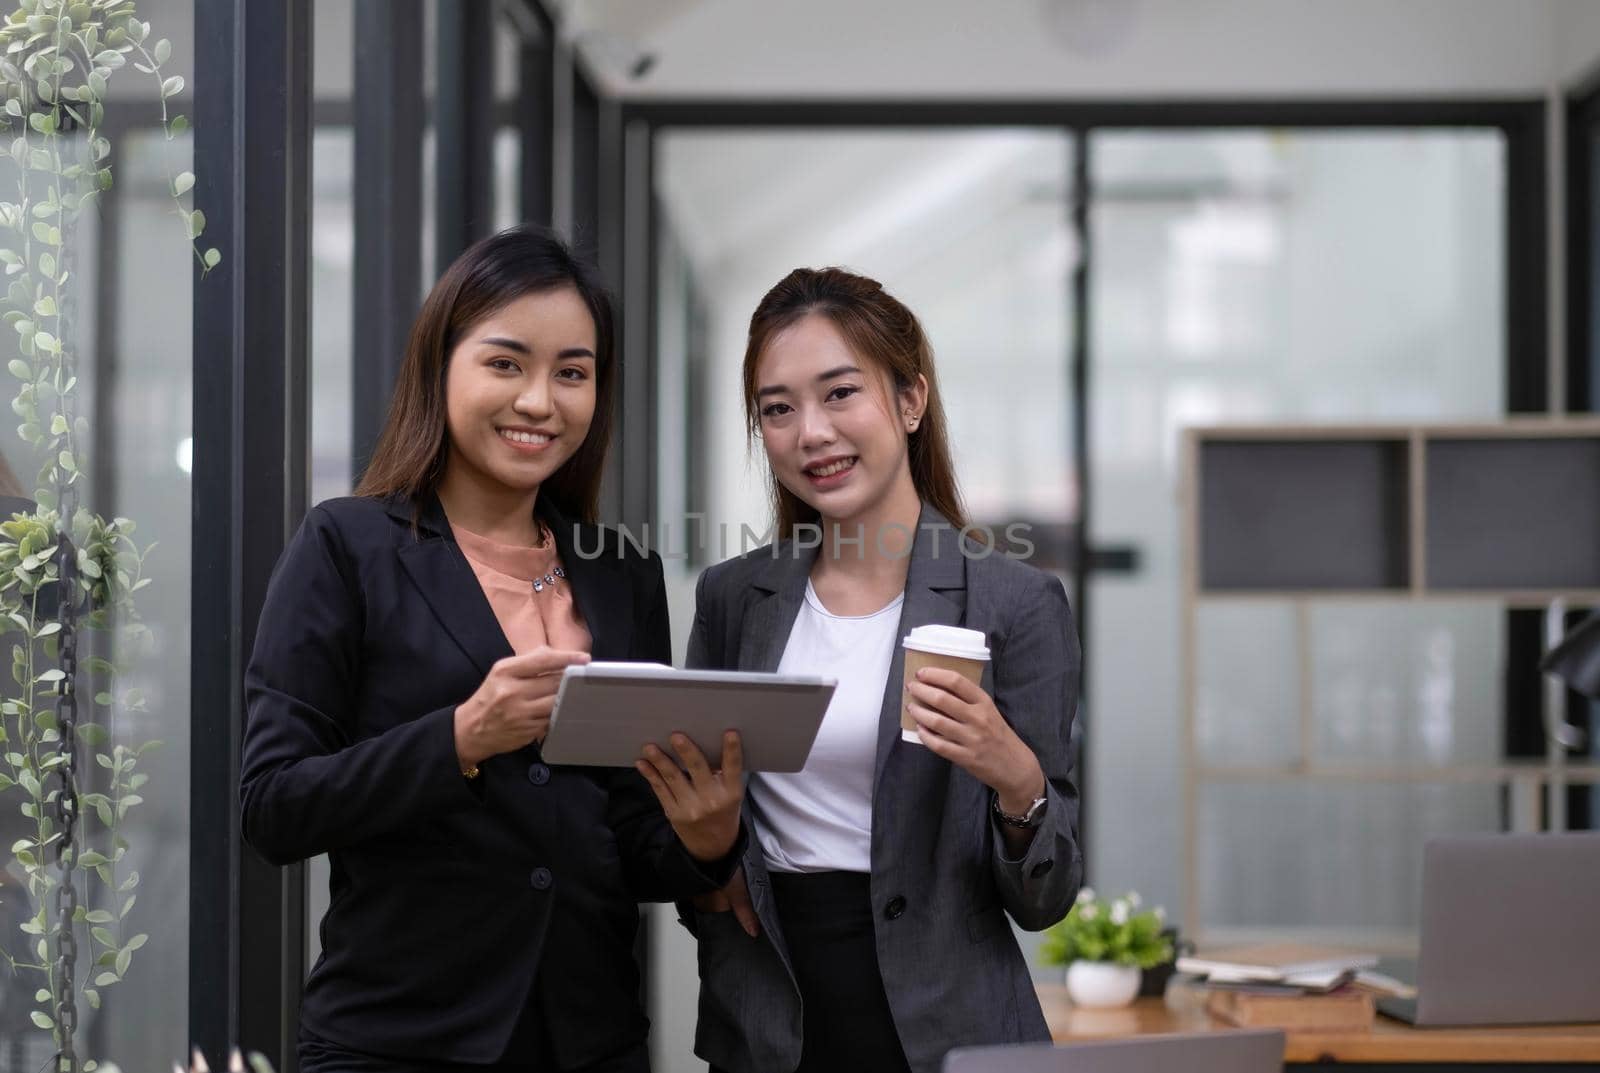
538 586
561 572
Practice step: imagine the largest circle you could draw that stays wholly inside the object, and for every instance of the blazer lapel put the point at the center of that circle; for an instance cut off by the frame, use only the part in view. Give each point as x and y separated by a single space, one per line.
446 581
599 588
770 620
936 584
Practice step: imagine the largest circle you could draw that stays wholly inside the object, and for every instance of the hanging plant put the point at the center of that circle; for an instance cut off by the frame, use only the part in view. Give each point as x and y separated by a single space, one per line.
67 575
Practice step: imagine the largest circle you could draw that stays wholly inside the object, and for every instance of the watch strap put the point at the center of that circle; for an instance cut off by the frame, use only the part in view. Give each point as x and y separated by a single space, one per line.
1028 820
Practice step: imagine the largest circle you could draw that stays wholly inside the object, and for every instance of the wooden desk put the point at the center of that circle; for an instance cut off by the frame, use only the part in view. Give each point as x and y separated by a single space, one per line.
1388 1041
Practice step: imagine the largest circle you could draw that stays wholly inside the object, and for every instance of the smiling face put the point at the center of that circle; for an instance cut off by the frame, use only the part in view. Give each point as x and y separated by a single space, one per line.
520 393
833 427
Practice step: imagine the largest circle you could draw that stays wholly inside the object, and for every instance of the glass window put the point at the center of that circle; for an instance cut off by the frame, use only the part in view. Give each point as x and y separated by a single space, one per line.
1284 276
130 305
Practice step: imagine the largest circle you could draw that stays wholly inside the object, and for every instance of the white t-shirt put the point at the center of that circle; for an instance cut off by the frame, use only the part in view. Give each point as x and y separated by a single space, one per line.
819 819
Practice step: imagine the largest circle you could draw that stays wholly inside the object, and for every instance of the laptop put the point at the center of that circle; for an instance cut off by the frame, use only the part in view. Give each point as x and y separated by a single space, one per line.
1510 932
1227 1051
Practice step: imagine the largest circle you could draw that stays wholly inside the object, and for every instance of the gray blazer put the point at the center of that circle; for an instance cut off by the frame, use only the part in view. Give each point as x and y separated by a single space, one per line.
941 883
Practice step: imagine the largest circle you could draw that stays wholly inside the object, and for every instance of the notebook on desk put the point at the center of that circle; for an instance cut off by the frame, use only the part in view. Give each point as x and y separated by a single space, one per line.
1509 932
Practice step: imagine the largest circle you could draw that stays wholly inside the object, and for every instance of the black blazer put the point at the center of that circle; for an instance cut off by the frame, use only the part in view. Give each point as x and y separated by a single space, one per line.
457 907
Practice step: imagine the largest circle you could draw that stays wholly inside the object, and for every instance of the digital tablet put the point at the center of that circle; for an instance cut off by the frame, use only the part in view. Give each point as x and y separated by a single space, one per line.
606 712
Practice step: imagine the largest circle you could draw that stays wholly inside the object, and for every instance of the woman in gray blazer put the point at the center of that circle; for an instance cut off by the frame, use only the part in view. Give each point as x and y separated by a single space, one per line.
867 928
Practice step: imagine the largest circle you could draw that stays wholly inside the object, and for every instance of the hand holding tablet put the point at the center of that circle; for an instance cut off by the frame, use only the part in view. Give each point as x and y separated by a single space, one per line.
702 803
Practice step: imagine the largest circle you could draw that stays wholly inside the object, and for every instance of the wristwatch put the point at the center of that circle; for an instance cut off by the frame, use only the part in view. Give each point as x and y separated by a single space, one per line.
1028 820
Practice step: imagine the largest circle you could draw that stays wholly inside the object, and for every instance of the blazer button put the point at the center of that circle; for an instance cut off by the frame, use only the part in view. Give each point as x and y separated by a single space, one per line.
1042 867
542 879
896 906
538 774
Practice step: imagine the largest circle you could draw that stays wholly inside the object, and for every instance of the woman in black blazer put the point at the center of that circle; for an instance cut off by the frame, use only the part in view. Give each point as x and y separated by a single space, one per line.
482 911
877 884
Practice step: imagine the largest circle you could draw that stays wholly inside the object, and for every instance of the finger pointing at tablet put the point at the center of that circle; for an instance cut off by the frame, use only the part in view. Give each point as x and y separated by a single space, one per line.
701 804
512 707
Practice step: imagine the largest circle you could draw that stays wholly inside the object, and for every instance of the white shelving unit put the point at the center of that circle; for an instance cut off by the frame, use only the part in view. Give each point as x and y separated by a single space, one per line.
1505 513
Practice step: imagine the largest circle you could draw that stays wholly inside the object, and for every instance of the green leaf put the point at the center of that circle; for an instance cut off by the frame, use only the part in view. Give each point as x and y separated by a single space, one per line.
213 257
197 223
43 1020
58 425
124 959
136 942
68 463
20 369
45 307
183 183
104 937
105 979
97 83
41 231
47 264
178 125
93 996
163 50
13 107
172 86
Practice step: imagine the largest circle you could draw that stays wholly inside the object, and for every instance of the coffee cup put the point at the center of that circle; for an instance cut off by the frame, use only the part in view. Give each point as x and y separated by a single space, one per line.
951 647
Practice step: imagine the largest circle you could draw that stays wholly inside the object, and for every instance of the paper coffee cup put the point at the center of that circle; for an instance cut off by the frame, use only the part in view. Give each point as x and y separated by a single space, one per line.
952 647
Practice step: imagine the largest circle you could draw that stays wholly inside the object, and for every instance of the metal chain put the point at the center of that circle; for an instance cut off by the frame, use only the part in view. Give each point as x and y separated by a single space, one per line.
66 774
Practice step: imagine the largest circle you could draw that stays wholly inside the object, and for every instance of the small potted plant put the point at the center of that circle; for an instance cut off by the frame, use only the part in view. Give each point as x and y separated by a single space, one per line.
1106 945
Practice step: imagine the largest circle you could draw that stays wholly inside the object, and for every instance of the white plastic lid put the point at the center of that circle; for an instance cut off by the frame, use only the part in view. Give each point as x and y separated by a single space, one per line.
949 641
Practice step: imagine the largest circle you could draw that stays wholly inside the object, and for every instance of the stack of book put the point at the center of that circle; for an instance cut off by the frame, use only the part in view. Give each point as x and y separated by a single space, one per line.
1291 986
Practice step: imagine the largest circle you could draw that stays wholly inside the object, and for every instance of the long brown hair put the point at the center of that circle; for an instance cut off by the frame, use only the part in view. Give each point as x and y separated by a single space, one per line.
410 457
881 330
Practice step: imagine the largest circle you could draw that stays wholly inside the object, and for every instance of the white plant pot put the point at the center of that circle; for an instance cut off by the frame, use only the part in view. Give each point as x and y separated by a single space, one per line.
1102 985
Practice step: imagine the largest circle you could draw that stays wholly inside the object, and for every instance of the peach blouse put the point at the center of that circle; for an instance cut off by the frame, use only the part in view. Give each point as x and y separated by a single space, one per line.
528 590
